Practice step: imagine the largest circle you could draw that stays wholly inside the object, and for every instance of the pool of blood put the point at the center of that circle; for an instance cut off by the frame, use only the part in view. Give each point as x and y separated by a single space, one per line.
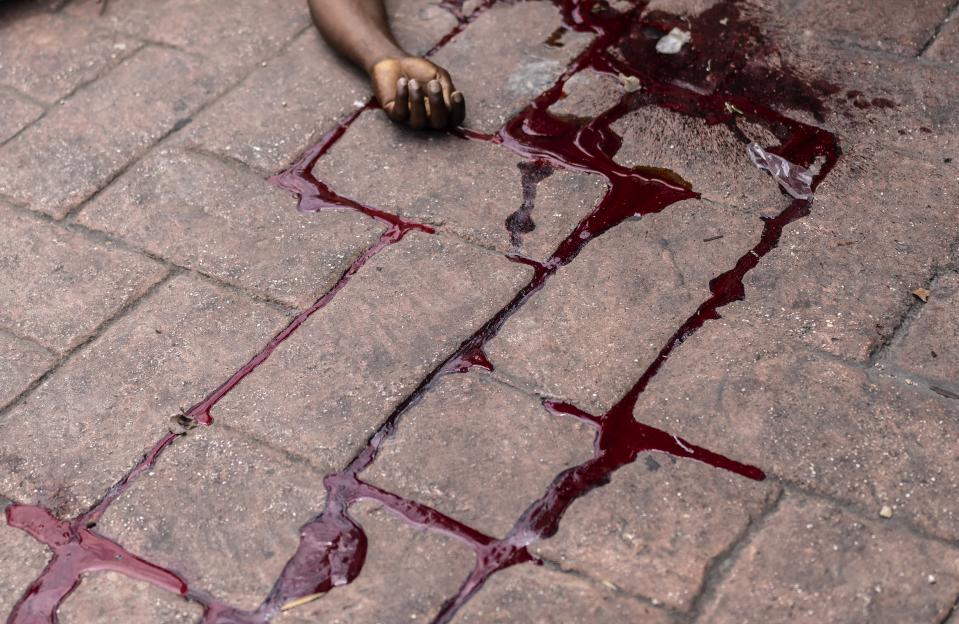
717 69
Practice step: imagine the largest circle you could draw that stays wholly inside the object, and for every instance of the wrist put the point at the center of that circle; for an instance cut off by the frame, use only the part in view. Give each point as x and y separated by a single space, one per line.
382 53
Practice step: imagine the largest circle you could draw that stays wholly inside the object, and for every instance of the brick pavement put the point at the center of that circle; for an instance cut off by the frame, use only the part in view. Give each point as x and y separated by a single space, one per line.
147 257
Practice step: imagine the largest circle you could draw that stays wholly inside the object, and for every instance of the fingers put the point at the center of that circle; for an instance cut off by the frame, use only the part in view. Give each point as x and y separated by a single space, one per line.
447 84
434 106
439 114
457 109
455 102
417 106
399 109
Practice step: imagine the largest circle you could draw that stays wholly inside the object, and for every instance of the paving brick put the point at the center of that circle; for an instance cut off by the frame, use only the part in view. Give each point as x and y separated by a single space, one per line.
21 560
946 46
518 63
249 32
600 321
685 7
346 367
897 25
479 451
587 94
276 113
47 56
657 527
841 282
59 286
738 388
929 346
815 562
710 157
526 594
77 148
419 24
221 509
21 362
252 234
412 176
17 114
111 401
107 597
407 576
882 101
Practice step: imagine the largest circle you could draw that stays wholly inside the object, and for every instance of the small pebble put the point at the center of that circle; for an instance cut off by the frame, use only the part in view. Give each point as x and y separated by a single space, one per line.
885 512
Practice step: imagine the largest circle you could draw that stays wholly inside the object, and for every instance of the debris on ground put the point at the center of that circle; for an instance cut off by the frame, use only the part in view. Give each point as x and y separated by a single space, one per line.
673 41
885 512
795 179
630 83
921 294
732 110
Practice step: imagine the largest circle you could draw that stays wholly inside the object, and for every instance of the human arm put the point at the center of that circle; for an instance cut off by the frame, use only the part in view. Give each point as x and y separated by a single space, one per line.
412 90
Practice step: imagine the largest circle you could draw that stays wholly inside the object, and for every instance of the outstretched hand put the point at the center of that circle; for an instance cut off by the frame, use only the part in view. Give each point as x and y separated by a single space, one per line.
418 93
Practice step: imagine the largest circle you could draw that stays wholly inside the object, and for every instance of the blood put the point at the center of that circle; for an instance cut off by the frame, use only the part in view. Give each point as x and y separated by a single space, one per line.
78 549
521 222
721 65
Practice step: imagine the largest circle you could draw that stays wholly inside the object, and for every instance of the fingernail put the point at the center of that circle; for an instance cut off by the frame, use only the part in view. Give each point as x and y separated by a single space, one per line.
414 84
434 86
402 82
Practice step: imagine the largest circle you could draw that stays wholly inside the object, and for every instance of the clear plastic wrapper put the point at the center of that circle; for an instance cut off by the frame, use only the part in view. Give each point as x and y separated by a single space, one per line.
795 179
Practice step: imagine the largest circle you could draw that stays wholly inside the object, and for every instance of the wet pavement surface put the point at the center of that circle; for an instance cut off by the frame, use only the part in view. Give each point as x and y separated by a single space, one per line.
656 337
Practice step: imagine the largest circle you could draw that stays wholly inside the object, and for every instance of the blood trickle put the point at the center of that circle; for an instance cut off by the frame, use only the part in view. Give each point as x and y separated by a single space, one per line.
521 222
333 546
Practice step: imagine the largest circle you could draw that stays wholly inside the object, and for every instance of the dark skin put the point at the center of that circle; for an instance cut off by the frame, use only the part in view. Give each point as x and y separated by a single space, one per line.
412 90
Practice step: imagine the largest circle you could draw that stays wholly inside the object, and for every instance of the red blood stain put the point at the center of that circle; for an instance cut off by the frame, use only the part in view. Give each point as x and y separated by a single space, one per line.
521 222
332 547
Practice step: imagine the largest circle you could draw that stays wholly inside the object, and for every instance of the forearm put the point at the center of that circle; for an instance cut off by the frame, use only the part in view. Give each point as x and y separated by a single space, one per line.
358 29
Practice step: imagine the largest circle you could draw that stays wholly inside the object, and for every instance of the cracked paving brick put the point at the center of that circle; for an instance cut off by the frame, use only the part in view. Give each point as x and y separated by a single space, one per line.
221 509
601 320
815 562
842 277
518 63
234 40
112 400
21 363
59 286
78 147
18 113
741 390
47 56
22 559
108 597
930 346
902 26
226 221
345 368
408 574
656 529
479 451
528 594
412 176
